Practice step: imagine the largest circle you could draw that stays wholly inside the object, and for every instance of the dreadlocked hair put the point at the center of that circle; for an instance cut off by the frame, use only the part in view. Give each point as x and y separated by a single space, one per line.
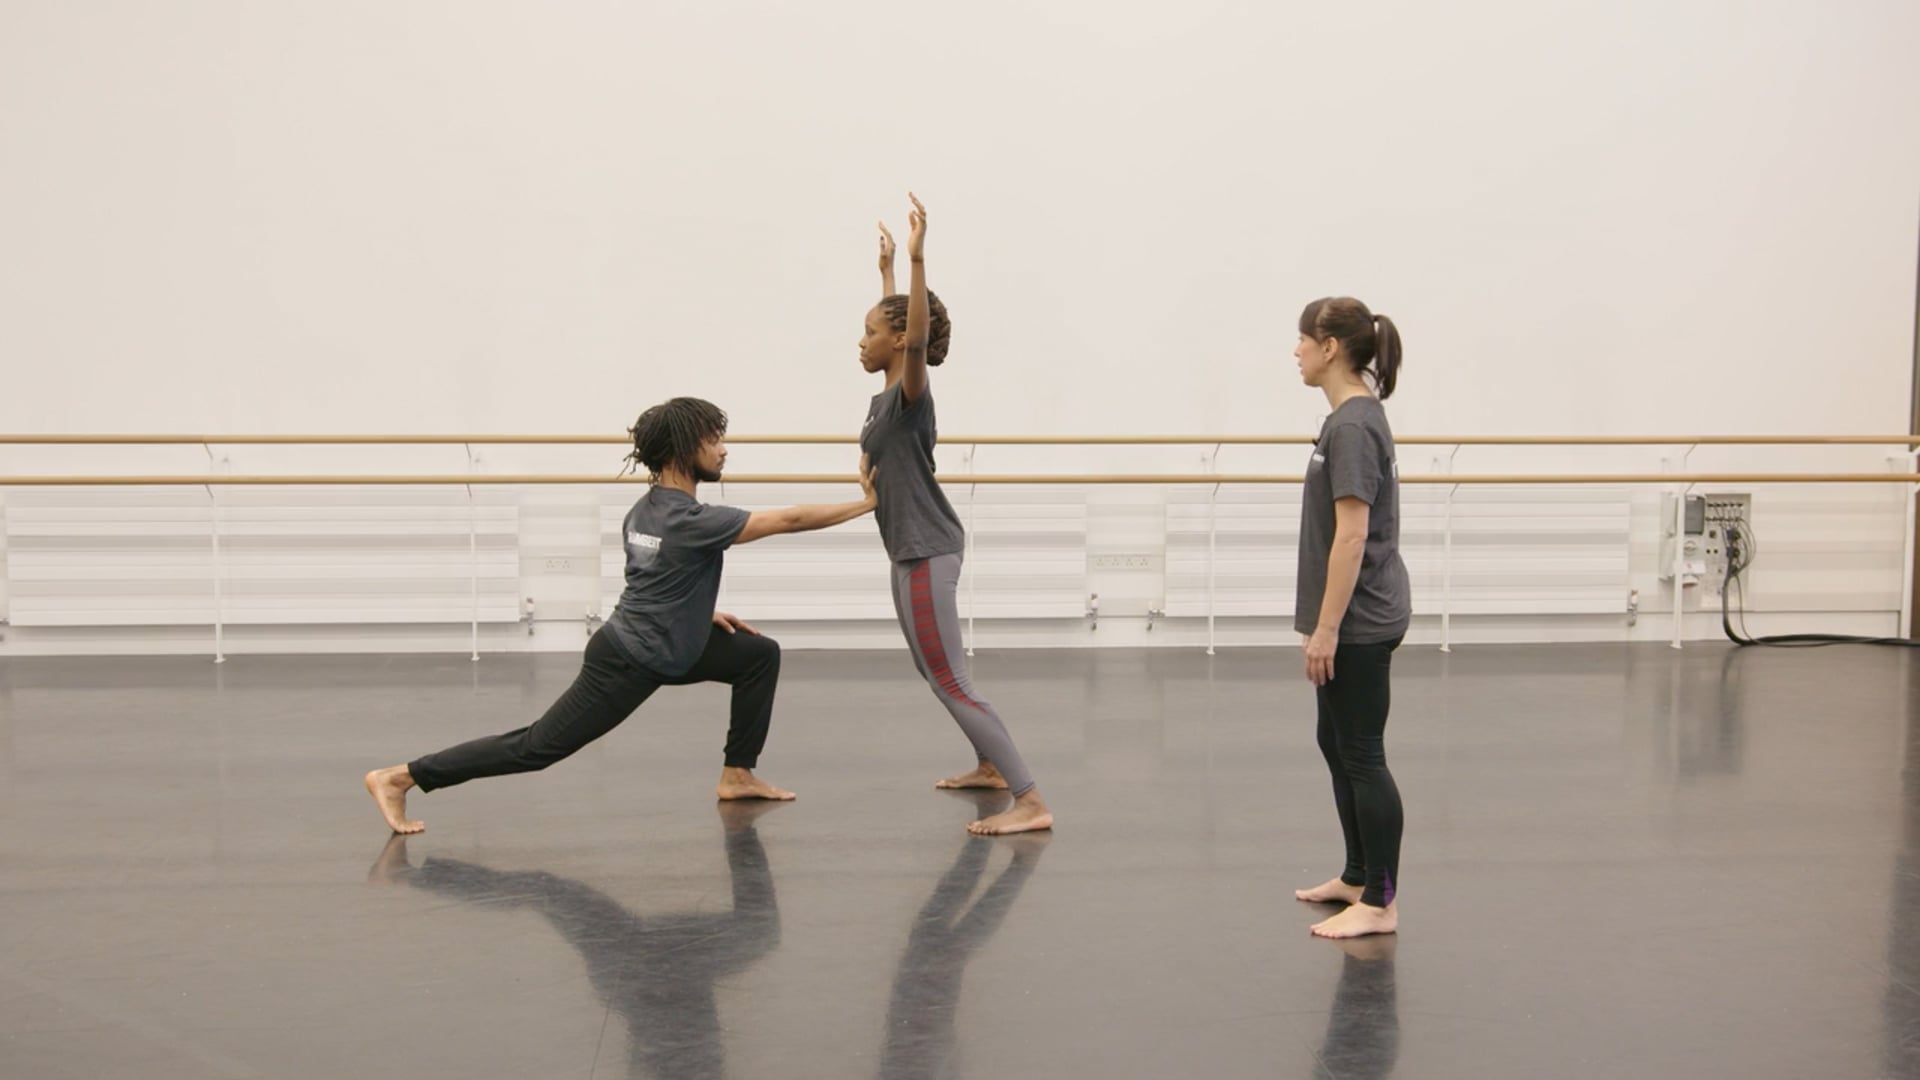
672 432
939 326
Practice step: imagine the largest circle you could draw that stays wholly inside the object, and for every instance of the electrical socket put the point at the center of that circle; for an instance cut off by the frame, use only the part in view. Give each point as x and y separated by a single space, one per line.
1123 562
558 564
1725 508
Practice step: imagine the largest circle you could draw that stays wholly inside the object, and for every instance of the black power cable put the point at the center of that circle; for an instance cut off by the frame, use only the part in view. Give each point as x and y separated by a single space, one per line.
1742 545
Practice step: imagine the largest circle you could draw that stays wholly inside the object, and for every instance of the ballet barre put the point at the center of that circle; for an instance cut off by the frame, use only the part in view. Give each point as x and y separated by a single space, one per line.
1683 482
977 440
532 479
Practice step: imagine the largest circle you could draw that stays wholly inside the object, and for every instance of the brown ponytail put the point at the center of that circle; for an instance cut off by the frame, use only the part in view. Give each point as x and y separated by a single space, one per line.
1370 342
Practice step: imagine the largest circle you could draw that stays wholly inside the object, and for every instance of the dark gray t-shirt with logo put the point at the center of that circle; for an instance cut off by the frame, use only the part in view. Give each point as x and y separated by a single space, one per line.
1354 458
916 520
675 548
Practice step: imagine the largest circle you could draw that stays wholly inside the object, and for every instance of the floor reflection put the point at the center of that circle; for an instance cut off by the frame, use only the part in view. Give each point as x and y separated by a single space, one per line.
1709 734
922 1011
1902 1007
1363 1028
656 971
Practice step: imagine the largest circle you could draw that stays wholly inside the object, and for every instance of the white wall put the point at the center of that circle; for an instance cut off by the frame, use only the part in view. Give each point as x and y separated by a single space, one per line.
349 216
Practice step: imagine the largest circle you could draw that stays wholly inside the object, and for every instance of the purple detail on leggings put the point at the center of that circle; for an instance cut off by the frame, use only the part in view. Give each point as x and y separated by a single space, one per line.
1389 875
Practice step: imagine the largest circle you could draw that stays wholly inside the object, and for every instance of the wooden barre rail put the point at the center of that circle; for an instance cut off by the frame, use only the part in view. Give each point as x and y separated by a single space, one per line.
970 440
458 480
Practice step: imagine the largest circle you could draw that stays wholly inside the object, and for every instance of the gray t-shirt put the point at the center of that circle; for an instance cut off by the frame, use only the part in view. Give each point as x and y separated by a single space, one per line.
1353 458
916 520
675 548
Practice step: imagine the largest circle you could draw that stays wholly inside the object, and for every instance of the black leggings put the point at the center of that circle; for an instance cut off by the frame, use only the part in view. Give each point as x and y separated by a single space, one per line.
609 688
1353 724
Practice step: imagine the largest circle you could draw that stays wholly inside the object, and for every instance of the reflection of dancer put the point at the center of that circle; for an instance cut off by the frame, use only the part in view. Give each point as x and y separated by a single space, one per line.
656 971
665 631
1902 1031
926 989
903 337
1363 1031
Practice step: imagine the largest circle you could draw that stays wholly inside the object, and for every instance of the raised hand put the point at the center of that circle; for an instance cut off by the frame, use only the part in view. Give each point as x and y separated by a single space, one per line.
917 237
886 261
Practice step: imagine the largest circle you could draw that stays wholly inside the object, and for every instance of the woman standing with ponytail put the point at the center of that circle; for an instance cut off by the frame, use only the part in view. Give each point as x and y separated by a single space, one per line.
1353 604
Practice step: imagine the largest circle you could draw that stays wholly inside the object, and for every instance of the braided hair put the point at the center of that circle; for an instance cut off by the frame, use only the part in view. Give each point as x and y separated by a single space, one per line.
939 326
671 434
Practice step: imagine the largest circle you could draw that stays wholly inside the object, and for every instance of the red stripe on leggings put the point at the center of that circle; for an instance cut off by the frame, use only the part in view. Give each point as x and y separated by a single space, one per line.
926 627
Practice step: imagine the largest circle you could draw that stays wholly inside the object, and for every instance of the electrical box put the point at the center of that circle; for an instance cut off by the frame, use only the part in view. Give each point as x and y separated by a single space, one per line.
1724 531
1685 552
1713 527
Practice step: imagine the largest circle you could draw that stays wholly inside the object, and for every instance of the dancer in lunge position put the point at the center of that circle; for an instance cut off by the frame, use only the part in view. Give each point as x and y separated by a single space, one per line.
665 631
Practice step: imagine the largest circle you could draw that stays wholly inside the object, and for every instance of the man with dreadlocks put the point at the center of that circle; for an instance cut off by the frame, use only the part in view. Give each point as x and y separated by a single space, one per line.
665 631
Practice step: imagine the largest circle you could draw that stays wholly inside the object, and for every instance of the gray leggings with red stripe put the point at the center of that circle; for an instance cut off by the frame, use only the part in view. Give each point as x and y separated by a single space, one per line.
923 595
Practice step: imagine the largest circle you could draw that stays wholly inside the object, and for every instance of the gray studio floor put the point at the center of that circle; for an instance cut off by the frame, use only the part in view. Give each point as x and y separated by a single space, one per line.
1621 861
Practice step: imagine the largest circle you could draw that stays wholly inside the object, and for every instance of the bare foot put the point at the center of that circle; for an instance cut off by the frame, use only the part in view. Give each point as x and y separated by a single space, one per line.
389 790
1333 892
1028 814
1359 921
986 776
742 784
